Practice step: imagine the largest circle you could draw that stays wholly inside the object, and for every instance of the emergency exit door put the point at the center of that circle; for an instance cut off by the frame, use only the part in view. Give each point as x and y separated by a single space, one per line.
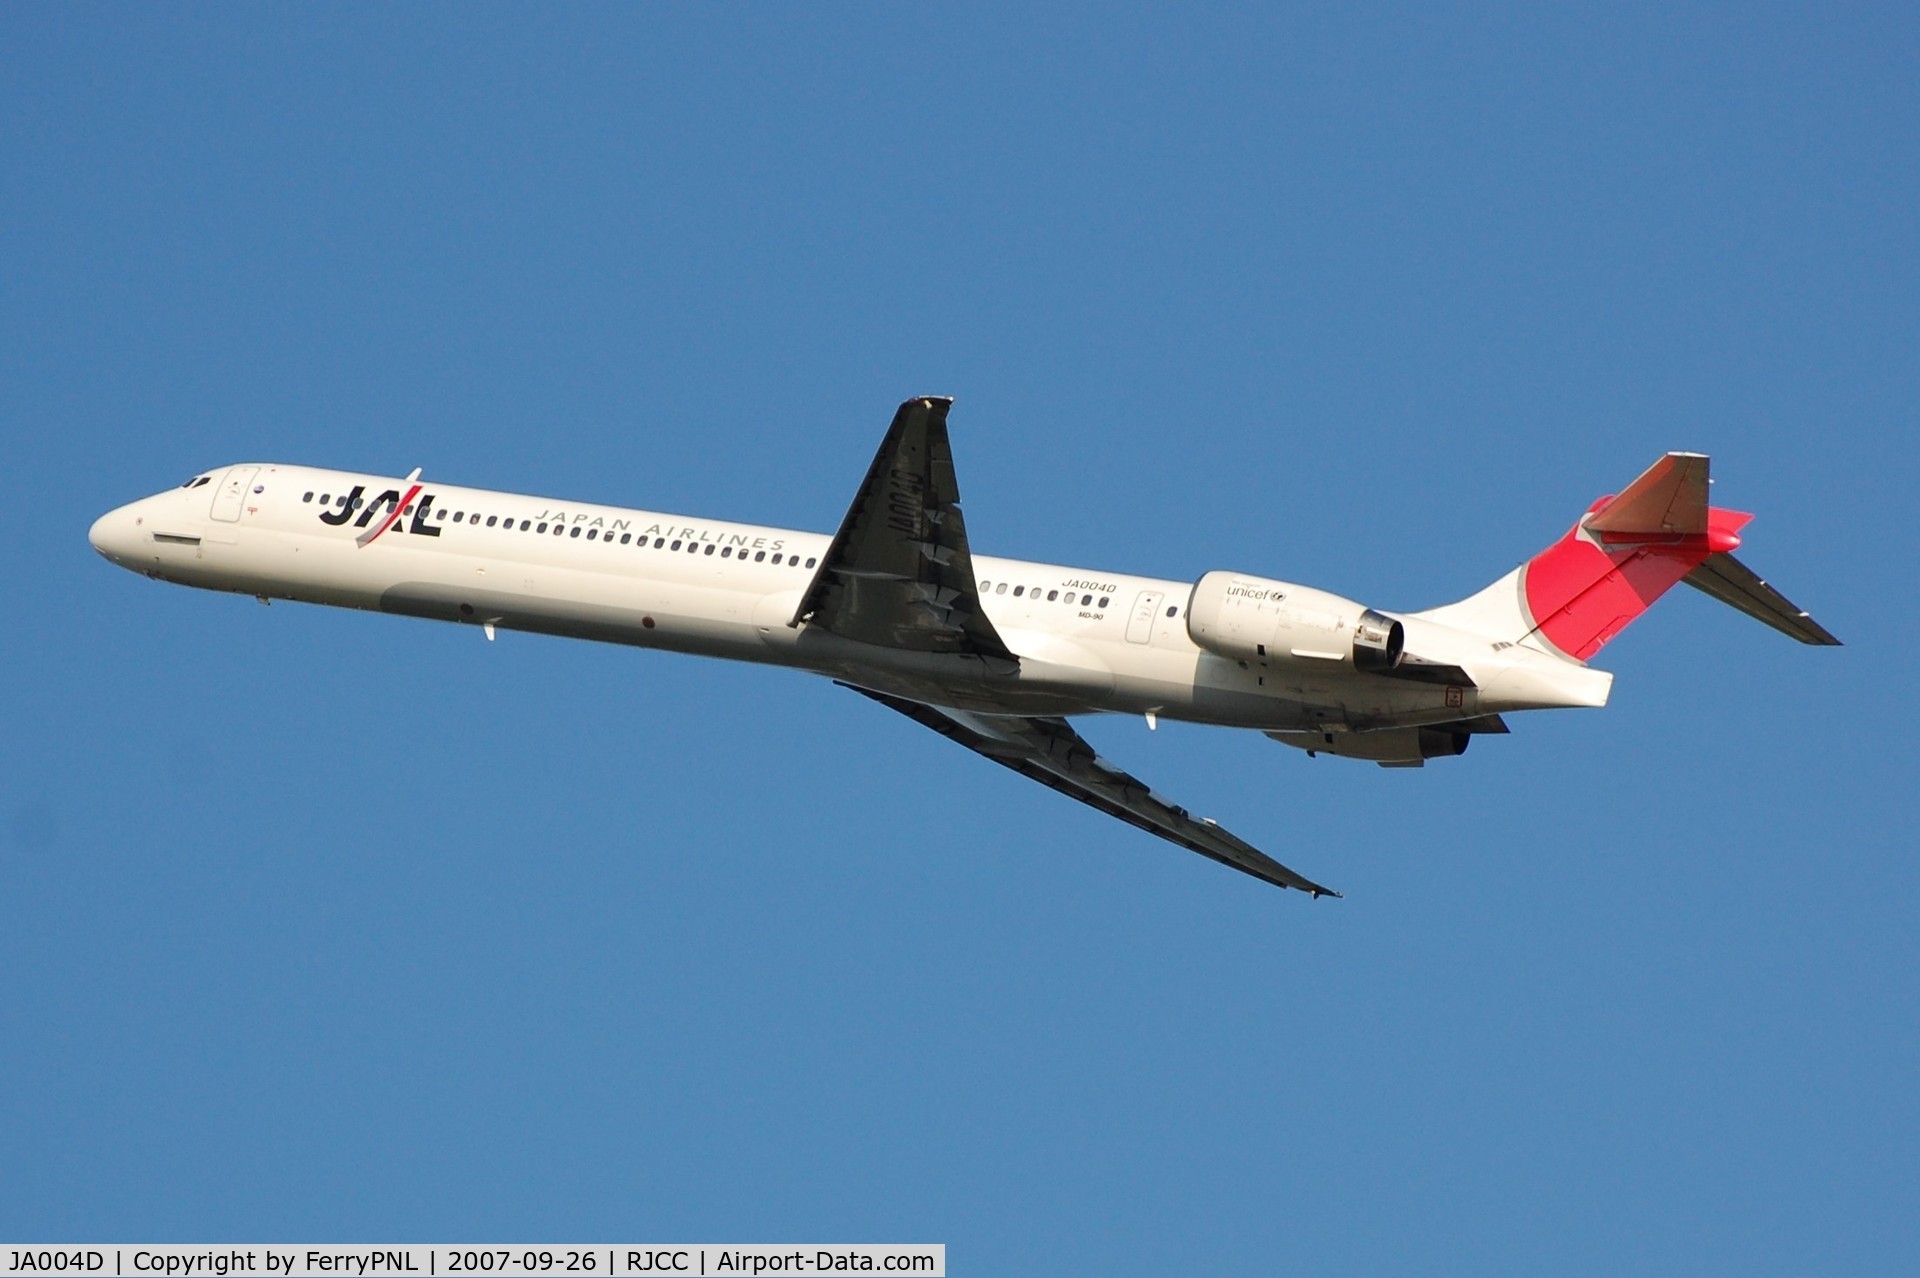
1145 609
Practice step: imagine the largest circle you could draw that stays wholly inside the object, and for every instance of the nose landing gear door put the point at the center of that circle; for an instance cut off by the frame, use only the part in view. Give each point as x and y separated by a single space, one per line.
231 495
1145 609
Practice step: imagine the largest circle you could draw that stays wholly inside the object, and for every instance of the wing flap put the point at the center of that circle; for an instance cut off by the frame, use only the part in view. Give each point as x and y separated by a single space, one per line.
1051 752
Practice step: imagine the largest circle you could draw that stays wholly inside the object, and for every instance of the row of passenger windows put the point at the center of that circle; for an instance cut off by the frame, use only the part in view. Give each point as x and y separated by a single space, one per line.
692 547
1000 588
592 534
1033 592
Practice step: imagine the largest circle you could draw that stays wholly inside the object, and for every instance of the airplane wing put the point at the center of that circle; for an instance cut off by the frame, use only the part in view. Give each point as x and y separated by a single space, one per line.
899 573
1052 753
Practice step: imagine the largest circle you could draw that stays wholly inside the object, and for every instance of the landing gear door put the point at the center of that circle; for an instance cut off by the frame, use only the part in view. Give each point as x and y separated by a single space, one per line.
1145 609
231 495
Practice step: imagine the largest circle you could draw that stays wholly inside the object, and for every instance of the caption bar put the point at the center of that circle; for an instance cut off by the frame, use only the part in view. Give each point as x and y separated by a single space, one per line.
469 1260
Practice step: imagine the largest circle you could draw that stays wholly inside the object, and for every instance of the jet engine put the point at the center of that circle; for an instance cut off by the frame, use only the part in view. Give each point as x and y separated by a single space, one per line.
1254 619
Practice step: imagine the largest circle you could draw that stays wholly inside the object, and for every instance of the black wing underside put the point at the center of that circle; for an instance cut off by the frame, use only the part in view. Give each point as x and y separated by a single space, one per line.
899 572
1051 752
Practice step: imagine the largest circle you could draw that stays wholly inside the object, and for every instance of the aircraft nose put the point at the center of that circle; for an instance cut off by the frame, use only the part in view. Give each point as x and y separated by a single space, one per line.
113 533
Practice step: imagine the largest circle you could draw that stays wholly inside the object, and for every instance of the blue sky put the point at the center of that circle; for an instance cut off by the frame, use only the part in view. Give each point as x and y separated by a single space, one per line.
323 925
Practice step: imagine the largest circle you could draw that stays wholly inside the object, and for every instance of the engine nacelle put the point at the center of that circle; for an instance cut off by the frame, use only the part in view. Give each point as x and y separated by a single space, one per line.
1277 622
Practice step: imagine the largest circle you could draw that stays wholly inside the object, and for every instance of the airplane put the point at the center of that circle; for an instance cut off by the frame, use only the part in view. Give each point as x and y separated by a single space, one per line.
995 654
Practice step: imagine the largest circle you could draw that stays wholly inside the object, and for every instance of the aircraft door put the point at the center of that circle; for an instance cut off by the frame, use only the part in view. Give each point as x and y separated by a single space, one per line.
1145 609
231 495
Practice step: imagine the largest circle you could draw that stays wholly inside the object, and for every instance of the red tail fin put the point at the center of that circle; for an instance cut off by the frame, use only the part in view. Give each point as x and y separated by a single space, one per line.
1625 553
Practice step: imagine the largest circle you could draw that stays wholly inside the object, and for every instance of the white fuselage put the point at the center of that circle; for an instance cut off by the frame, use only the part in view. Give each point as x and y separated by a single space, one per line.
1087 640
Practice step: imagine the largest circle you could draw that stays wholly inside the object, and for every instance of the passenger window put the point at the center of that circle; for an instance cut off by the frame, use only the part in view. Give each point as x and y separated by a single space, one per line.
1085 600
1174 610
523 524
1018 591
709 548
308 497
576 531
726 552
759 556
811 562
1052 595
676 545
1105 600
625 538
560 528
661 541
541 528
985 586
491 519
324 499
1000 589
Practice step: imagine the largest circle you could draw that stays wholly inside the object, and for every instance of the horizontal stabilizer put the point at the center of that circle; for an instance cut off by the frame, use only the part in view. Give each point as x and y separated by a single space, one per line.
1735 584
1669 498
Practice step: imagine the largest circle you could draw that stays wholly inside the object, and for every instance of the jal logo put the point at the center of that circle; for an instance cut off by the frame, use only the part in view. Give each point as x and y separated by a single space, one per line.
392 503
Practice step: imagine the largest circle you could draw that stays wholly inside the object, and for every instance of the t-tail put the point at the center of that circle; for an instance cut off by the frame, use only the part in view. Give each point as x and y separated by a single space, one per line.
1622 555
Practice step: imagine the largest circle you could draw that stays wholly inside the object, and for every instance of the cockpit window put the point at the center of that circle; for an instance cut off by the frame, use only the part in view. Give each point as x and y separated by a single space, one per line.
197 480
